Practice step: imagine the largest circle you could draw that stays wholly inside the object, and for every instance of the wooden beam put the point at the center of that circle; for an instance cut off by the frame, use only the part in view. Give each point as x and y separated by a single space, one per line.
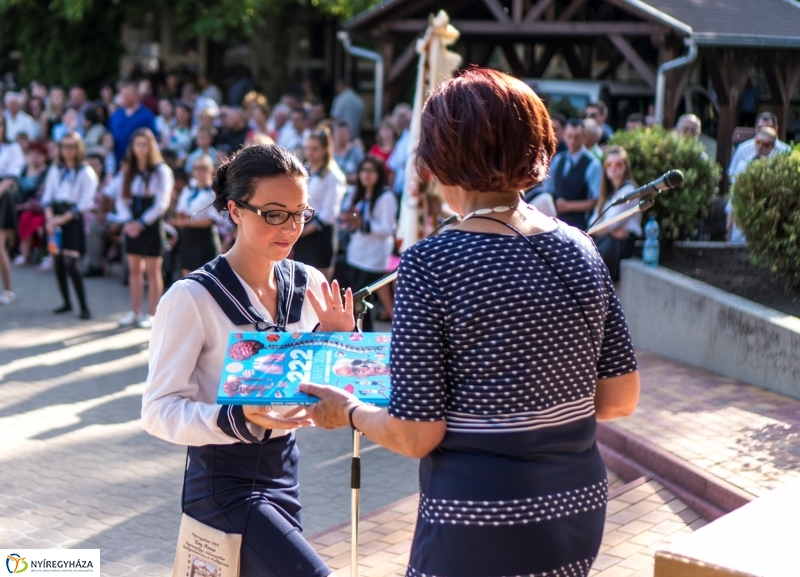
783 74
517 68
611 66
497 10
573 62
537 10
407 56
544 61
677 81
571 10
485 27
642 67
713 63
516 10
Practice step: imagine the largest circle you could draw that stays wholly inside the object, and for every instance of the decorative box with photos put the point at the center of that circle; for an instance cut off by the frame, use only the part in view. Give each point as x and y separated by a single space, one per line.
267 368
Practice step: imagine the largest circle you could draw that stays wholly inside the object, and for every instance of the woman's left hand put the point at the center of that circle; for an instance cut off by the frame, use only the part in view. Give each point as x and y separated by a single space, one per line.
331 412
334 316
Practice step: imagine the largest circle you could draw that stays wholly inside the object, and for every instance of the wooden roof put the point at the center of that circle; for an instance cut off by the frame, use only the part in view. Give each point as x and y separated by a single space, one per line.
745 23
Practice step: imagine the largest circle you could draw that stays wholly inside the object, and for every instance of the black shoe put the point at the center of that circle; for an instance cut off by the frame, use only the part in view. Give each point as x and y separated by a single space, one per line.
85 315
62 309
93 272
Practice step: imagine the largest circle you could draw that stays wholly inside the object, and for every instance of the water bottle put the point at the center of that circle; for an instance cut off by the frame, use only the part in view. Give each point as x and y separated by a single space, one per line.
650 250
54 242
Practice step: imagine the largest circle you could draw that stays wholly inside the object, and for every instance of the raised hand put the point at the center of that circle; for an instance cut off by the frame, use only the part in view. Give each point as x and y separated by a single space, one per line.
333 314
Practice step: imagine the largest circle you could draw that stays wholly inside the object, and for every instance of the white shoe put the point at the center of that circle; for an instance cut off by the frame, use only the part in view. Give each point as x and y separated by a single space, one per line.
46 264
145 322
7 297
130 319
20 260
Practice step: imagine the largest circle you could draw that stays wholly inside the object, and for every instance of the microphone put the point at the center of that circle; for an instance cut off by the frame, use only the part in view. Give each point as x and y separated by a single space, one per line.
666 181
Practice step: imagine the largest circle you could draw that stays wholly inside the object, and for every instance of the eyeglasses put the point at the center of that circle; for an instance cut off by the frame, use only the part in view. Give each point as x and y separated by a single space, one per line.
69 146
614 164
767 143
276 217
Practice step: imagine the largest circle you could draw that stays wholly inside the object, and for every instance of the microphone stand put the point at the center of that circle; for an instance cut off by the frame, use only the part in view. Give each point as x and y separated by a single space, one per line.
643 205
360 308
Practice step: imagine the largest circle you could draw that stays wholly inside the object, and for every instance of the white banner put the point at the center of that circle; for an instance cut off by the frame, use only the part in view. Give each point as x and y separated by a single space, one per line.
52 562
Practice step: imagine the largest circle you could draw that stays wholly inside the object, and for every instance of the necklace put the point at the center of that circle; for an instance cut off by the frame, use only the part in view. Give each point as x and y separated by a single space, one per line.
482 211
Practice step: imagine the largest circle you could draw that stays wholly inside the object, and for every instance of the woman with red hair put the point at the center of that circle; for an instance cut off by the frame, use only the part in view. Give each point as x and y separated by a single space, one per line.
508 345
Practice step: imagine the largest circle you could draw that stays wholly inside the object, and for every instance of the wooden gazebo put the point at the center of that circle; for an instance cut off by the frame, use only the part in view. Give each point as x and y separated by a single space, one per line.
595 36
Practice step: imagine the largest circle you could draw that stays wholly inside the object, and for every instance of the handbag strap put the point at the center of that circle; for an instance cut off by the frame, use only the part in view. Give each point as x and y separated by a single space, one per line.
252 486
555 271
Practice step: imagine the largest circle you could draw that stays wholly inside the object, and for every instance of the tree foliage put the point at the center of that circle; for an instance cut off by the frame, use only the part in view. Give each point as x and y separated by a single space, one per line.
766 202
75 43
654 151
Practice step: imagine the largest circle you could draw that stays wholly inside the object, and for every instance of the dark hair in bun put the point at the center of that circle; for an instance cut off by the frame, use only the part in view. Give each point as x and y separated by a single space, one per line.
237 177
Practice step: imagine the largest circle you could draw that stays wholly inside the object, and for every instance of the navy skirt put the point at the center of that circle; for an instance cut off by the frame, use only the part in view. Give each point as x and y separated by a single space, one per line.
219 489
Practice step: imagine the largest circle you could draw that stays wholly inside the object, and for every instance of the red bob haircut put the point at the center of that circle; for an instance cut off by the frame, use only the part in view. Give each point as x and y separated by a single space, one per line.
486 132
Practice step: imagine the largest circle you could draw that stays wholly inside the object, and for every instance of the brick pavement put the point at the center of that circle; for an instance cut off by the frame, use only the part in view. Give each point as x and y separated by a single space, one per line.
642 517
745 435
78 471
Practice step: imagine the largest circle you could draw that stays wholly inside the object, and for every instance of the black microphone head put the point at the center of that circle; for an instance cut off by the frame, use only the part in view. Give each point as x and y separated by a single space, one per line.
673 178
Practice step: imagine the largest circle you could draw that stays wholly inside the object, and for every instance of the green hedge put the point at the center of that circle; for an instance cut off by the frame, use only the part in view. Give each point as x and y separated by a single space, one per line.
766 201
654 151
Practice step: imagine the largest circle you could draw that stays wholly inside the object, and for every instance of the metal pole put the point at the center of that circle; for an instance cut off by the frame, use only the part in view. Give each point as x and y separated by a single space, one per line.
661 77
359 52
643 205
355 484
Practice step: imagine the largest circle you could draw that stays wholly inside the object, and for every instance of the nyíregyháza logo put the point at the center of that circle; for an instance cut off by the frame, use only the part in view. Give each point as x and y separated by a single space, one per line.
16 564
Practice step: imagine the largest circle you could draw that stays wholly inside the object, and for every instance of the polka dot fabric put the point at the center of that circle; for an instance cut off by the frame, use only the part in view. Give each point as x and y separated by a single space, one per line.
506 343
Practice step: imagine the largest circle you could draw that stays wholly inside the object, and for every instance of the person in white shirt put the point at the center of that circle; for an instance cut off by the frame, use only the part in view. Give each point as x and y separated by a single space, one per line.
372 218
616 242
69 190
746 151
146 191
765 145
242 472
17 120
12 162
293 135
196 220
326 189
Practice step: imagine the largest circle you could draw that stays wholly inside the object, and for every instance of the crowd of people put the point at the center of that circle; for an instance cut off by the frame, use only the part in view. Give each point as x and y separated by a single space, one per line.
126 178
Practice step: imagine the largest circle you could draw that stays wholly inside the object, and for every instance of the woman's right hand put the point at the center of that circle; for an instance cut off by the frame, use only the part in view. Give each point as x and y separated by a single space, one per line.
265 417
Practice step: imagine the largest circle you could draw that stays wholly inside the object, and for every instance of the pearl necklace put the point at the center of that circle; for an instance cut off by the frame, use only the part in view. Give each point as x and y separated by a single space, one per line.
482 211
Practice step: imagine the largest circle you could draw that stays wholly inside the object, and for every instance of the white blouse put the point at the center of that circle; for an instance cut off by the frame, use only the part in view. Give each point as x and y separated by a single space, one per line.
198 203
632 224
370 248
159 185
75 187
12 160
188 342
325 194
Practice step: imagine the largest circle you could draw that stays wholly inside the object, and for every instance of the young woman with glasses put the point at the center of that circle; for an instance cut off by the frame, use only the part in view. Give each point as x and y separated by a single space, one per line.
69 191
242 473
616 242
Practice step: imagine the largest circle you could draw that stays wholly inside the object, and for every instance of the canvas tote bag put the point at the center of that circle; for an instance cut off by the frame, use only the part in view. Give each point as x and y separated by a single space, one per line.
207 552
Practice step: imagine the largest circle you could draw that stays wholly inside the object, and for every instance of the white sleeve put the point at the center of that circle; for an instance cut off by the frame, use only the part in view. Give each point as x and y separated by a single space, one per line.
382 221
328 208
183 201
165 183
15 161
50 185
169 410
88 189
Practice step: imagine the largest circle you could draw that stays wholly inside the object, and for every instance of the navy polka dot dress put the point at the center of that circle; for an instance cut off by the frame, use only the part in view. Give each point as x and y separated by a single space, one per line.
506 344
